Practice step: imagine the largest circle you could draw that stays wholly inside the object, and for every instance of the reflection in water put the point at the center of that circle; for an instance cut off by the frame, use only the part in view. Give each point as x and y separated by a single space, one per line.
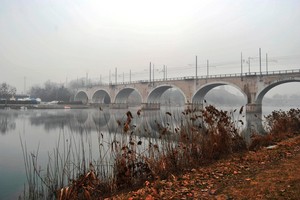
97 130
75 120
90 120
95 120
100 118
149 123
82 117
164 118
50 119
7 121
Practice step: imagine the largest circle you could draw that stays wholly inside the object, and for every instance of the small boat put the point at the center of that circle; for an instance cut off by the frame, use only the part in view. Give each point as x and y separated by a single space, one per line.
67 107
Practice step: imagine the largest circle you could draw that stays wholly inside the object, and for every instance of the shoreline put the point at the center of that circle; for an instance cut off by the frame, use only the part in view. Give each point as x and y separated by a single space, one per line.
42 106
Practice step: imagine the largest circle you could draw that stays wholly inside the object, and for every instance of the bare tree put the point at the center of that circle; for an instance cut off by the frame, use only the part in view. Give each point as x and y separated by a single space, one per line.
7 91
50 92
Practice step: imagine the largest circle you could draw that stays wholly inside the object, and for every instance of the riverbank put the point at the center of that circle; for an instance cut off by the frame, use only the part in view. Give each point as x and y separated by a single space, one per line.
269 173
42 106
208 159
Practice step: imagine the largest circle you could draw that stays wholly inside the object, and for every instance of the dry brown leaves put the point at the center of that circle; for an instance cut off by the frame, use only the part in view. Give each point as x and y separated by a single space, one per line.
247 175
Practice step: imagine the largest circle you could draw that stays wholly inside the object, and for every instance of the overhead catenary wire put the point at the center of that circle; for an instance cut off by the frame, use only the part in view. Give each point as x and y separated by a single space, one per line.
188 68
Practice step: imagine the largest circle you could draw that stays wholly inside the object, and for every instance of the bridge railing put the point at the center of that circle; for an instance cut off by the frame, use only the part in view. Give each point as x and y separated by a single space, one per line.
263 73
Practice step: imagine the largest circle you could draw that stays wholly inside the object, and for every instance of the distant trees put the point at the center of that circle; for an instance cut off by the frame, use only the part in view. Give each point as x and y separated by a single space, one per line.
75 84
172 97
222 97
282 100
7 91
51 92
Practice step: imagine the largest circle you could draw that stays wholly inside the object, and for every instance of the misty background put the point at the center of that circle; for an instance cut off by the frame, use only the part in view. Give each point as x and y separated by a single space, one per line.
69 40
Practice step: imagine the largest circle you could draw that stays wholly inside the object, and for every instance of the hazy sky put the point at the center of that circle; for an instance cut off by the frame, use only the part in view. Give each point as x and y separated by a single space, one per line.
61 40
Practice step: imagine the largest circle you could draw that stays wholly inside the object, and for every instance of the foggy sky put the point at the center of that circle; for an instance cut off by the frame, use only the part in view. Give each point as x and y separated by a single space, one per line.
60 40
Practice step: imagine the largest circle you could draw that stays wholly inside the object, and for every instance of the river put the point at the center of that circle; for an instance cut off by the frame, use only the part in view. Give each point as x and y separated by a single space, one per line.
40 131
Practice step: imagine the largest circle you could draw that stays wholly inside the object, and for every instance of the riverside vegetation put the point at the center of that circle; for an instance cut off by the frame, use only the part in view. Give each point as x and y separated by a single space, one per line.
203 137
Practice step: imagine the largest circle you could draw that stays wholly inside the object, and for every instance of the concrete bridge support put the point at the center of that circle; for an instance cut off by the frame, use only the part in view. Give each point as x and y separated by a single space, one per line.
254 119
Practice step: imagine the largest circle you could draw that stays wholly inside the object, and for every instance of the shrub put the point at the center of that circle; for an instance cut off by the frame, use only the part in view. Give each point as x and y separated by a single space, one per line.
280 125
279 122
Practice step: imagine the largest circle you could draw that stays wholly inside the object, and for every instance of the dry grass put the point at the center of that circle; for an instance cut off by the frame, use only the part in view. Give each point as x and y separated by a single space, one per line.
280 125
202 137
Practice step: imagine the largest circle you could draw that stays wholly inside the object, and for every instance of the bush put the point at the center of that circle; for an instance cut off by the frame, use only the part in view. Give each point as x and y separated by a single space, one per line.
280 125
279 122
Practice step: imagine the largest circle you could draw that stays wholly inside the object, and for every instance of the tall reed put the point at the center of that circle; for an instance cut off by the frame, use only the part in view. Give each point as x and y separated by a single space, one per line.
127 158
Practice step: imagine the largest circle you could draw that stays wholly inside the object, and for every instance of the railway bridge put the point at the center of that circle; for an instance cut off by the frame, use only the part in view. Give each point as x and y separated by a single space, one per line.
252 85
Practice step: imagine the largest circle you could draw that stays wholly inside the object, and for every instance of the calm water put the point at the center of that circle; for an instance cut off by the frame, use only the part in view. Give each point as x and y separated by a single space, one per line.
41 130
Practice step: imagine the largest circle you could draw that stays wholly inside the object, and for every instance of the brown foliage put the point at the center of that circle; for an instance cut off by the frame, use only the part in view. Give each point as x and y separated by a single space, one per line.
202 137
282 122
87 186
280 125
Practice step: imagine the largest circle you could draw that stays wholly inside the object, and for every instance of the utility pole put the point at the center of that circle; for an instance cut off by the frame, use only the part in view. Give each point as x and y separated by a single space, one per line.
249 64
116 75
150 73
260 61
196 69
129 76
109 77
166 72
153 72
242 65
267 63
123 77
207 65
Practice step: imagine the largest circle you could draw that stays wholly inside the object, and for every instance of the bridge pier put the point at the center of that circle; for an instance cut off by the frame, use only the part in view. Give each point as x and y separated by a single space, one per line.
100 105
150 106
118 106
254 119
193 106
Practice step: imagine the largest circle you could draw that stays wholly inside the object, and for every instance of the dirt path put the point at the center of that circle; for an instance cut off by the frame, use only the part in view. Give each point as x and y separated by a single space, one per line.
265 174
279 180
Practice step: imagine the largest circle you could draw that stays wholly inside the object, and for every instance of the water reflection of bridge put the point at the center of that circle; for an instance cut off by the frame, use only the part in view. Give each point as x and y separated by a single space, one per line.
253 86
146 124
112 121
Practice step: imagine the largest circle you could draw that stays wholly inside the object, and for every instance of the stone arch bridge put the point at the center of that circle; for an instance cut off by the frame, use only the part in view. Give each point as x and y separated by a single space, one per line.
252 85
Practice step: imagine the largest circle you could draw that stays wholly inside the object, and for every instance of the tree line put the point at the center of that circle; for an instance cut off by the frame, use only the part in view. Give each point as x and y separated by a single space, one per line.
51 92
7 91
48 92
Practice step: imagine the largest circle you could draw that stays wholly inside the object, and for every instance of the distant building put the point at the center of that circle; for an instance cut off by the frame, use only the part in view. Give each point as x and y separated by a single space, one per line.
21 96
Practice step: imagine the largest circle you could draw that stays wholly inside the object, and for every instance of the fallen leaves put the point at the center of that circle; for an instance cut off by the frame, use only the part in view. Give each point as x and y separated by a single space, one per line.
234 177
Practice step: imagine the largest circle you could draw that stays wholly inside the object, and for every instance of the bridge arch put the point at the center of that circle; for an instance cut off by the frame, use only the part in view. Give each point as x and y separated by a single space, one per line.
82 117
261 93
101 96
101 119
198 97
81 96
156 93
123 95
